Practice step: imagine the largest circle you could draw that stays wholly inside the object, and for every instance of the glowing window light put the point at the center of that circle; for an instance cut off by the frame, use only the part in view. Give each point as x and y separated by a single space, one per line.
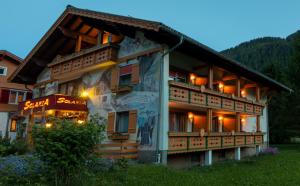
48 125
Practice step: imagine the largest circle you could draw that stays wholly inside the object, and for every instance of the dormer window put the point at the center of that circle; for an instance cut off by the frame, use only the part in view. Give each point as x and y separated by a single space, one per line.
3 71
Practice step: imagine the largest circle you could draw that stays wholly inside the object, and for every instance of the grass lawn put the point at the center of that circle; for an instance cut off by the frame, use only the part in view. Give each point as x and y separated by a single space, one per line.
281 169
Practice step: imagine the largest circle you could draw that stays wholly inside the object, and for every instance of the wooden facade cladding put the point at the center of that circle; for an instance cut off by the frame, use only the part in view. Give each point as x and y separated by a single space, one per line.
199 96
192 141
85 58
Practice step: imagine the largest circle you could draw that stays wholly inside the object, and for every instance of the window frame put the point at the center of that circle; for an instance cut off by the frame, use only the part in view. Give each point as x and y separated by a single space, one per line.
15 102
118 120
4 70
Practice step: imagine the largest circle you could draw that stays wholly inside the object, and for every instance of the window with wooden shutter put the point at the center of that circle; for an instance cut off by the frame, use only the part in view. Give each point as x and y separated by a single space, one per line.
114 79
132 121
135 76
111 122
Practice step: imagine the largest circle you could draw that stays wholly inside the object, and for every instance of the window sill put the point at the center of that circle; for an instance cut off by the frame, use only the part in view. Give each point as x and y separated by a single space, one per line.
123 89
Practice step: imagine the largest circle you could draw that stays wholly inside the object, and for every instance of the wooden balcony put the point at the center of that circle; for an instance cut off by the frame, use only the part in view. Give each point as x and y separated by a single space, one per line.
84 60
192 141
190 96
119 150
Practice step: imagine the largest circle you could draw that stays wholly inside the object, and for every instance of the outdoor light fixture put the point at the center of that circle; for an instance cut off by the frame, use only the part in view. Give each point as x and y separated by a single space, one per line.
192 78
48 125
243 93
84 94
220 118
80 121
221 87
50 112
191 116
243 120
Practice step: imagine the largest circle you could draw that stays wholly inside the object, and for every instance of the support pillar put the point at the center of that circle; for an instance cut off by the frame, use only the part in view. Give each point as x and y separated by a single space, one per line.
238 87
208 157
237 154
257 150
238 122
209 120
258 123
220 125
163 137
78 43
210 77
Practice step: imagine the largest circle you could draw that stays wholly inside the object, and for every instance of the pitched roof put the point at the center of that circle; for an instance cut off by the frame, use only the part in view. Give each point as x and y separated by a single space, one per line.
16 59
155 29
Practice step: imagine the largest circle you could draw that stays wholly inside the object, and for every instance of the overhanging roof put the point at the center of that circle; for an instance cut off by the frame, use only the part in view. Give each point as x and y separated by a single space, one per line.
154 30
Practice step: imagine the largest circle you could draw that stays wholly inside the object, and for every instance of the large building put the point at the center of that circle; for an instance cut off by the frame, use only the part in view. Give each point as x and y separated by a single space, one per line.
10 94
166 97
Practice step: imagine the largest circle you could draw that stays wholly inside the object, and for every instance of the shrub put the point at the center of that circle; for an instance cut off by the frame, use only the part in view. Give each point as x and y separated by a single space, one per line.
66 147
17 147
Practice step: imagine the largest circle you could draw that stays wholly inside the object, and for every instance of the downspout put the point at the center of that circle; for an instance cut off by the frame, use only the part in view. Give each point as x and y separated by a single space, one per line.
158 155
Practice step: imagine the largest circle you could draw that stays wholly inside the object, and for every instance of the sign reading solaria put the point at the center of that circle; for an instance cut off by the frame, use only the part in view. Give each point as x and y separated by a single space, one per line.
62 100
36 104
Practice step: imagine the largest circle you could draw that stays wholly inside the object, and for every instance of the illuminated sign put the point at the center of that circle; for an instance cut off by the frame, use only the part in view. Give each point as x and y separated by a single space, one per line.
53 102
70 101
36 104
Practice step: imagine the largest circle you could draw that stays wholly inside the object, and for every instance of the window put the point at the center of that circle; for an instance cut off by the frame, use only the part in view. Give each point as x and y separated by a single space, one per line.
16 96
122 122
178 121
13 125
125 75
3 71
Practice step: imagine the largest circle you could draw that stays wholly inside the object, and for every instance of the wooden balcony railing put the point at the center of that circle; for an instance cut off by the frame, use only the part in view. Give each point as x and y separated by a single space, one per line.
199 96
83 59
118 150
192 141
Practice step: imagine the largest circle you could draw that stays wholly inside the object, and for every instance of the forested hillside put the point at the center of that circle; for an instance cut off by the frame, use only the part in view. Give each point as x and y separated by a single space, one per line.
278 58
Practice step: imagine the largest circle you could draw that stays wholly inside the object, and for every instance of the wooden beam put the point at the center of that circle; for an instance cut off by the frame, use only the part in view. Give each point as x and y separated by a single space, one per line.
238 122
257 93
238 88
76 23
209 120
229 77
258 123
39 62
210 77
74 35
200 67
78 44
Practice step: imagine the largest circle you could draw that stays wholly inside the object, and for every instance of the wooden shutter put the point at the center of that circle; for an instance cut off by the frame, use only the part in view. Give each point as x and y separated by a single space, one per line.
132 121
114 81
4 97
111 122
135 76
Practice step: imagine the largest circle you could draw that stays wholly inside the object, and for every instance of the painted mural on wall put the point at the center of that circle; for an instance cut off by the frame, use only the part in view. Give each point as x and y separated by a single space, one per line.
144 97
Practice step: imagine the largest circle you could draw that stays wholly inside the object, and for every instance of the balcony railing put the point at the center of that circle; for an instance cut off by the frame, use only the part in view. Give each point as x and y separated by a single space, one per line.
192 141
199 96
83 59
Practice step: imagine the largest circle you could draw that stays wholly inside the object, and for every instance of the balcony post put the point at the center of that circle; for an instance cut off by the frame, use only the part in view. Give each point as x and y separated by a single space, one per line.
220 126
78 43
258 123
238 122
257 93
238 87
208 120
210 77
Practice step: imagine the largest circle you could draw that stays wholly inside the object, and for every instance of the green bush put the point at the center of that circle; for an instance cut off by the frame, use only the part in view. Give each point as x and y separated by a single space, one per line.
16 147
66 147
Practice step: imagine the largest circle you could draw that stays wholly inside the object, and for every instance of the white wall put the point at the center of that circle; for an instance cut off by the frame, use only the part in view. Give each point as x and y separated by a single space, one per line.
3 122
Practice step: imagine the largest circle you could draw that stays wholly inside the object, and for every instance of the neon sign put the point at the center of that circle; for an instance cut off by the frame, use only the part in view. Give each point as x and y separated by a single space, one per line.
62 100
37 104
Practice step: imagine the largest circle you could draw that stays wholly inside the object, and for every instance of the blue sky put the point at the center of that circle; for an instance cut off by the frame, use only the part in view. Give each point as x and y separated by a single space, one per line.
216 23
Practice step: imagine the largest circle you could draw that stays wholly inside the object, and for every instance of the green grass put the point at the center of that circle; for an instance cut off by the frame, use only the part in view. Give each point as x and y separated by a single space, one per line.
281 169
